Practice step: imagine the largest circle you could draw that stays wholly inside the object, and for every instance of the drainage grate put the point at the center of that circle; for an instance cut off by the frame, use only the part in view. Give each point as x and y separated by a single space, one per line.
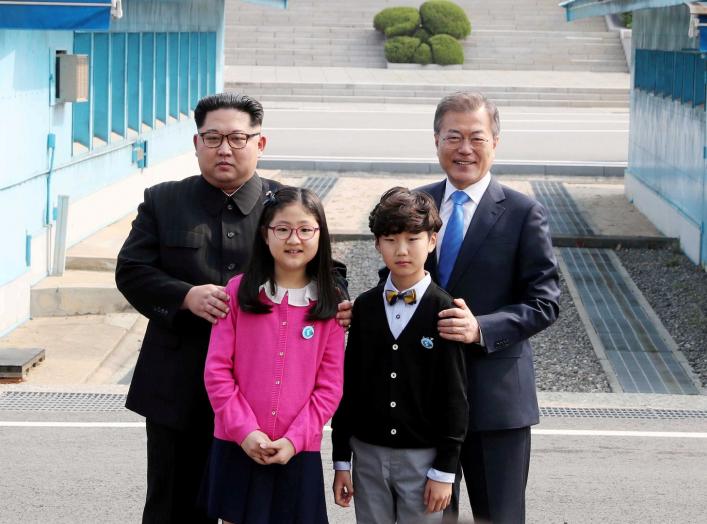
51 401
563 214
321 185
642 360
630 413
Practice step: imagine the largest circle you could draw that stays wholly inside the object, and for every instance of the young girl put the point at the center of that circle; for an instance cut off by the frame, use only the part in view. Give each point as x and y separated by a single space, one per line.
274 371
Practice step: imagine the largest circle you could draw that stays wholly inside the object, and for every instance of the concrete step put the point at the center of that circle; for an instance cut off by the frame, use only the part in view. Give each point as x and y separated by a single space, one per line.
77 293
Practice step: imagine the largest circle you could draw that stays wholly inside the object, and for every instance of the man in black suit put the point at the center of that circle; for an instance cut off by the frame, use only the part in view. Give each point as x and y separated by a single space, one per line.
189 238
495 255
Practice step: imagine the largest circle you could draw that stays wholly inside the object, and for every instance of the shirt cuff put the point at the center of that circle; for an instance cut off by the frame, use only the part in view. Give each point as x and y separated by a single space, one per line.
440 476
340 465
481 338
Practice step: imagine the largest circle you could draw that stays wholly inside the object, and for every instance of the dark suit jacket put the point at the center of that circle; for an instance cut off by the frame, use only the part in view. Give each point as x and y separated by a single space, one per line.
507 274
186 233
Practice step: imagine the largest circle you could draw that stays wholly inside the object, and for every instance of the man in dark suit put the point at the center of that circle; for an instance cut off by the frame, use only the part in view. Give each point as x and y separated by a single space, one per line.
495 255
189 238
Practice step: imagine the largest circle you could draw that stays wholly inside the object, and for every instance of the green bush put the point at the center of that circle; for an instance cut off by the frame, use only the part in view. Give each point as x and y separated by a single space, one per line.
401 49
446 50
397 21
423 35
444 17
423 54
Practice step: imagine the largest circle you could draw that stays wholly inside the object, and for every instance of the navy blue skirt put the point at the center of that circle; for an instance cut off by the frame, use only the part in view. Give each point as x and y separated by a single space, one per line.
241 491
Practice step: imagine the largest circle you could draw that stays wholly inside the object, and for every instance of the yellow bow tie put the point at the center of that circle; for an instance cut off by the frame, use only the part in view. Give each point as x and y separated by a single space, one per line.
408 296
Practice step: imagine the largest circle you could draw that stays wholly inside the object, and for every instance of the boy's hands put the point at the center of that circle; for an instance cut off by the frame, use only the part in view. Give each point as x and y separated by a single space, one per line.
344 314
257 446
343 488
281 451
437 495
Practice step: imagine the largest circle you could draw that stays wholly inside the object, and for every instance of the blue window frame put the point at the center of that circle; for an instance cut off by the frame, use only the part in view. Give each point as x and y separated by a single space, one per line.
173 67
81 111
687 94
134 82
161 77
699 80
118 46
148 79
211 58
193 70
203 64
679 75
184 73
101 86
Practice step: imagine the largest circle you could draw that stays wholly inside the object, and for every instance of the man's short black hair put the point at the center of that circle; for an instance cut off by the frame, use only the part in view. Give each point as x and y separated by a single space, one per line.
401 210
229 100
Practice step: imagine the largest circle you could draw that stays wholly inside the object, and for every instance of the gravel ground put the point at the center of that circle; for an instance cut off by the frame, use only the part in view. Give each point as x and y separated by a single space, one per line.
564 358
677 291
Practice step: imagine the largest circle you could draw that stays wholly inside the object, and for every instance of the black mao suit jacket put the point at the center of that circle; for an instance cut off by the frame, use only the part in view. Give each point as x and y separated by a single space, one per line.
507 274
186 233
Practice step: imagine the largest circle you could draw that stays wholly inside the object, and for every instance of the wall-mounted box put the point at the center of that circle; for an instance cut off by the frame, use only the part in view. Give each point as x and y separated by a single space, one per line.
72 78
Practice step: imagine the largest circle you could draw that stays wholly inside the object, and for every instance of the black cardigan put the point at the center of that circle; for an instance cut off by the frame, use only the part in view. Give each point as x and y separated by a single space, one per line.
400 393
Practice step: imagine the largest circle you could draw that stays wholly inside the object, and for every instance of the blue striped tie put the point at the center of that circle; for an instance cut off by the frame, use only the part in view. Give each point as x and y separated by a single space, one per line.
453 237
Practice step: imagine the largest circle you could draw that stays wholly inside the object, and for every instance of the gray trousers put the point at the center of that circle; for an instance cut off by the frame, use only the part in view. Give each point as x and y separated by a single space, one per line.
389 484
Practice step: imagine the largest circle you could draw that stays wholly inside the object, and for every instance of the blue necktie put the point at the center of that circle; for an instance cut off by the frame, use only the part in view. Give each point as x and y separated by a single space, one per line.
453 237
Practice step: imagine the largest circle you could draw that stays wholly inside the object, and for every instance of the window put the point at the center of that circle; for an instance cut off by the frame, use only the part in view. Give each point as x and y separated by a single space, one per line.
676 74
138 81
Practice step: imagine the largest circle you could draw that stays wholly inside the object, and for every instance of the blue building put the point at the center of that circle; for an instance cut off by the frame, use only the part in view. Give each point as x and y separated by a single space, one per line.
95 99
666 176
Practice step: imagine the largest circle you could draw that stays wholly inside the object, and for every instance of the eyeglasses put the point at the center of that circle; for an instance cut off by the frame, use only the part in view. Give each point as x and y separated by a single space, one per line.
213 139
283 232
454 141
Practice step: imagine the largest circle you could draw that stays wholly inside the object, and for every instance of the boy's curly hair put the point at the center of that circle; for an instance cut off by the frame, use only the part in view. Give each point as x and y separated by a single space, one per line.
401 210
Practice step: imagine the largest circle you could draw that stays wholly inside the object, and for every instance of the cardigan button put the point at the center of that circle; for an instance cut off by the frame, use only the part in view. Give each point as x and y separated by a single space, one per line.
395 347
277 382
273 413
393 404
393 374
393 431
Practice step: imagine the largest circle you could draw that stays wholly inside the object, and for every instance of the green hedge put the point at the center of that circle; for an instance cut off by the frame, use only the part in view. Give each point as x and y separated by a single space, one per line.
397 21
444 17
401 49
423 54
423 35
446 50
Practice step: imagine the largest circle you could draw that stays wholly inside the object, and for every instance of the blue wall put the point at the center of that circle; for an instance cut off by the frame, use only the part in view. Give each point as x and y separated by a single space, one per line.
26 64
667 135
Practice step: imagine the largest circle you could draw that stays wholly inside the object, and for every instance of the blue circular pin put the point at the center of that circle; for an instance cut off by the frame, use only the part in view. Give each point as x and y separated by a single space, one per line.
307 332
427 342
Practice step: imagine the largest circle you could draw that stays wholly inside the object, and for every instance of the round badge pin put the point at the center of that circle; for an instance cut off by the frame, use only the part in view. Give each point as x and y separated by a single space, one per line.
307 332
427 342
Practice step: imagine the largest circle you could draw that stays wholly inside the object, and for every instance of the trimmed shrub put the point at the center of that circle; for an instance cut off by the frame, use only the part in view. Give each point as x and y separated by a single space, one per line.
423 35
444 17
401 49
423 54
397 21
446 50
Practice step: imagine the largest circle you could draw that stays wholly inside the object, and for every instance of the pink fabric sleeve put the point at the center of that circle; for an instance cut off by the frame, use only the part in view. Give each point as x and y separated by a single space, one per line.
226 399
328 389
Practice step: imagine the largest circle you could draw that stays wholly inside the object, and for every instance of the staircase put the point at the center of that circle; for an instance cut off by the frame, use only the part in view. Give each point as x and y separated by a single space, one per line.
506 35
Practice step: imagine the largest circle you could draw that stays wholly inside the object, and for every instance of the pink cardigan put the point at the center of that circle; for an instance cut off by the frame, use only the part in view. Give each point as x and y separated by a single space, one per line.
263 374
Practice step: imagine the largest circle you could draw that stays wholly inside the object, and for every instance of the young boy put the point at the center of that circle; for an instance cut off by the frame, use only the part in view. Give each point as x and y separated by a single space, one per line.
404 412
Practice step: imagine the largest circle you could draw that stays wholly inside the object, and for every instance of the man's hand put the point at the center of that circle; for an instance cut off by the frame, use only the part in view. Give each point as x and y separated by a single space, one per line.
257 446
282 451
458 324
209 302
343 488
345 313
437 495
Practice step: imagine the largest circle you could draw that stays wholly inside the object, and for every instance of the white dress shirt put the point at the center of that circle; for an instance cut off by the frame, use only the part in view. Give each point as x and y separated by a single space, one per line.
475 192
398 315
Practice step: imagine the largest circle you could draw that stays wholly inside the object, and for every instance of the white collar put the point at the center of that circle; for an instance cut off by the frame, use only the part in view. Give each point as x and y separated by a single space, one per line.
475 190
419 288
295 297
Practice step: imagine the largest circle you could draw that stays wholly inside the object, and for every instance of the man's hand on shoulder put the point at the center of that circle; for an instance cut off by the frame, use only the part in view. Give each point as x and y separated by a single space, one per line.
209 302
344 314
459 324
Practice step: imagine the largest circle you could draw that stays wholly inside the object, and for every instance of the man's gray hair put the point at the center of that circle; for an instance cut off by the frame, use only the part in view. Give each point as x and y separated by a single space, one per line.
462 102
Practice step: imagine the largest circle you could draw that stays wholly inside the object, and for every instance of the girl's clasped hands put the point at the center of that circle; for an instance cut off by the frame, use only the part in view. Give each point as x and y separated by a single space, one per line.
264 451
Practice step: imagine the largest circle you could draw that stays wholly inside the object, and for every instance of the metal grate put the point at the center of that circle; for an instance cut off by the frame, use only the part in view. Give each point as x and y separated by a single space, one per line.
564 216
641 358
321 185
623 413
52 401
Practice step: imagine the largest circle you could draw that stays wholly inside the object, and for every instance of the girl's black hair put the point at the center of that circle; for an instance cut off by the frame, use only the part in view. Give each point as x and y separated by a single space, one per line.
261 266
